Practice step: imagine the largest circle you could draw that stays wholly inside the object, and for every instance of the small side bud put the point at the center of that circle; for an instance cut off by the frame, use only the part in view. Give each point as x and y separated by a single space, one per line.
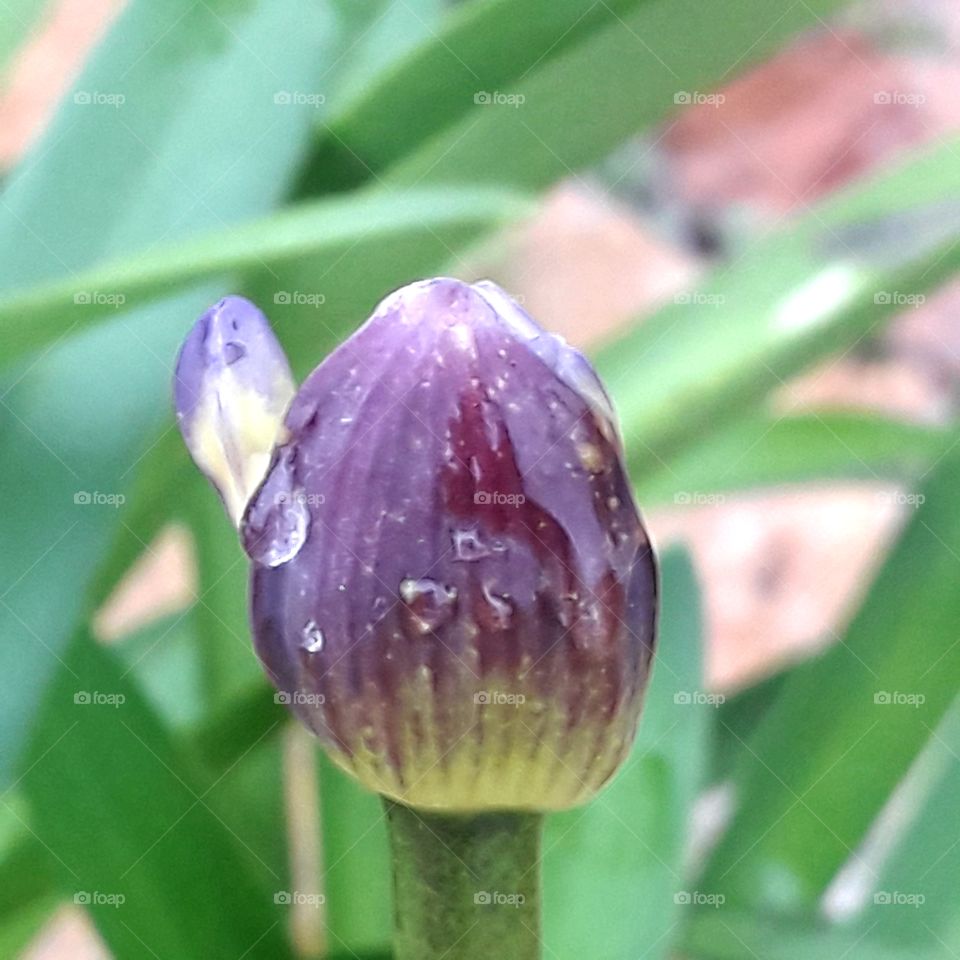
232 388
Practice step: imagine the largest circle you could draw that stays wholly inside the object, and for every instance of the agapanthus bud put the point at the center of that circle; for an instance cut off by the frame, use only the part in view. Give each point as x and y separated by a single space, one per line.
231 389
451 584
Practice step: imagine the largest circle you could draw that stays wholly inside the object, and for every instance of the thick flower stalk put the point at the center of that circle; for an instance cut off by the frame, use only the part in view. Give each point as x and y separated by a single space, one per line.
451 584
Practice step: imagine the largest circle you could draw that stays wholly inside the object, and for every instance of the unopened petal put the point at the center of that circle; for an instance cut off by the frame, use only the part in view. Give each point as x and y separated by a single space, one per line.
232 388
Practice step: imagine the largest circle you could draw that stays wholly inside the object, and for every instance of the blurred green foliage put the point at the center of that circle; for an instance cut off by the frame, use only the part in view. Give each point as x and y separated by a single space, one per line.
343 148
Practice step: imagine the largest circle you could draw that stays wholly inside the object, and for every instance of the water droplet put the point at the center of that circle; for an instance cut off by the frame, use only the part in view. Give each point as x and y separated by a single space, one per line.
499 608
233 351
591 457
313 638
277 527
468 546
567 609
432 604
591 633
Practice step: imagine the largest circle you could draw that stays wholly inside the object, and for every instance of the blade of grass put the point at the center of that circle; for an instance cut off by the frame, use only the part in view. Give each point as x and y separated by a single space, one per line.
765 451
846 727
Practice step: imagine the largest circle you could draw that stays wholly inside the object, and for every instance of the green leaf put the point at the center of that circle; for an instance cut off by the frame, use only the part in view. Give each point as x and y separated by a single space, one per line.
810 782
321 234
18 930
738 716
765 451
914 902
722 935
139 841
384 31
357 867
165 466
436 83
626 847
164 660
585 101
814 288
28 869
228 662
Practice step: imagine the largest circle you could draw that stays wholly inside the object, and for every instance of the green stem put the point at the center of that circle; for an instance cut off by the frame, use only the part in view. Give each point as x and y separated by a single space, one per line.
465 887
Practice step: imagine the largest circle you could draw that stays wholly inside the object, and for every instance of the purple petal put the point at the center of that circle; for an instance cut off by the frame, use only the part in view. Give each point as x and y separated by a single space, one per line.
232 387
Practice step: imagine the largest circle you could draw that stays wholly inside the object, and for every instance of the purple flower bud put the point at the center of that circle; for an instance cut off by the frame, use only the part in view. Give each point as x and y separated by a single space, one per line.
452 586
231 389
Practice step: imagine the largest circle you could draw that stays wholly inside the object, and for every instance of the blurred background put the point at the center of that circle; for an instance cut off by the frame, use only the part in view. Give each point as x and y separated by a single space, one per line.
749 214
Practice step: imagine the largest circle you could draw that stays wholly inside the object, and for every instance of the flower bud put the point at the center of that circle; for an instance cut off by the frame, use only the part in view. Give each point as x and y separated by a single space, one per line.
451 583
231 389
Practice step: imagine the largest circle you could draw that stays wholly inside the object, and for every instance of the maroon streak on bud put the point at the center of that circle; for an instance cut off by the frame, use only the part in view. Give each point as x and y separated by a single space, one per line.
450 576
